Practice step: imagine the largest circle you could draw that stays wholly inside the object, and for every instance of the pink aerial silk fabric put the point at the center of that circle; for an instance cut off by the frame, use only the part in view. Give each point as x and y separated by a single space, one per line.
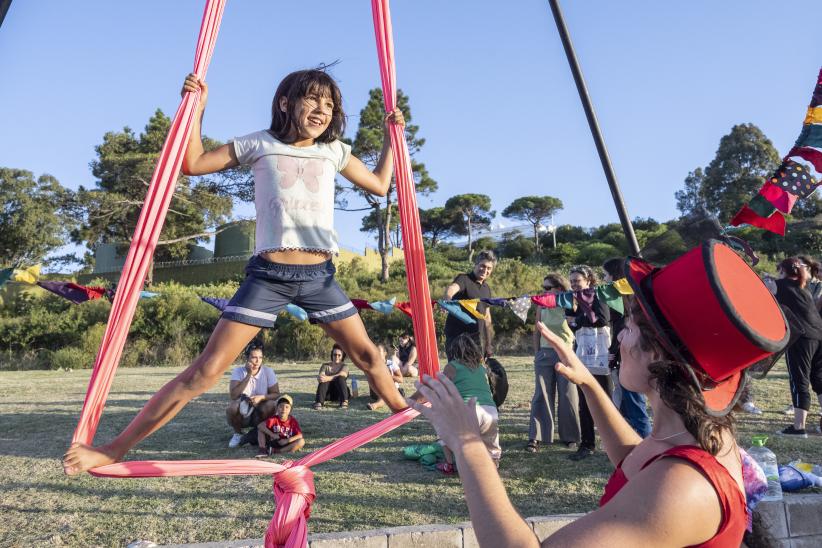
146 235
293 481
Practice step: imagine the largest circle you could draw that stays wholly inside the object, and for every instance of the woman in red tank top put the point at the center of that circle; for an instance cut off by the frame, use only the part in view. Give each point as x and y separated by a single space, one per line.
692 328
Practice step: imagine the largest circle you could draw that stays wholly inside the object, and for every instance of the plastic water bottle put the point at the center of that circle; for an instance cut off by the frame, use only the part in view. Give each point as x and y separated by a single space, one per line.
355 389
767 460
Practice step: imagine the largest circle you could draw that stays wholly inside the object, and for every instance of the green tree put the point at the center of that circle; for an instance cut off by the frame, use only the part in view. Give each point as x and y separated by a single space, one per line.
475 210
373 223
34 218
516 246
690 199
535 210
439 223
367 146
744 158
123 169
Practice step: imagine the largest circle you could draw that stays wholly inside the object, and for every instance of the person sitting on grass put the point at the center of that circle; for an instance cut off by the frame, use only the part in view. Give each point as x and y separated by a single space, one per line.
253 391
396 374
332 380
406 355
467 371
280 433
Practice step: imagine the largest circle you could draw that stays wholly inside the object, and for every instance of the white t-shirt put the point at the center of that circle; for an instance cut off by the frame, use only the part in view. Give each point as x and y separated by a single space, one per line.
293 191
258 384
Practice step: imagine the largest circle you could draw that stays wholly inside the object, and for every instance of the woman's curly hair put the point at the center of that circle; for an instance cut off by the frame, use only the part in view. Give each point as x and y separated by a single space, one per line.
677 389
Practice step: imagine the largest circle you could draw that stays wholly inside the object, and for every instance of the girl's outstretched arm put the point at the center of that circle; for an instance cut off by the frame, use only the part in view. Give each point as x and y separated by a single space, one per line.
378 181
196 160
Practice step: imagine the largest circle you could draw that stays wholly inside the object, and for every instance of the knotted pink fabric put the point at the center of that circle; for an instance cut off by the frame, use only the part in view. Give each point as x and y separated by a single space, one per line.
293 481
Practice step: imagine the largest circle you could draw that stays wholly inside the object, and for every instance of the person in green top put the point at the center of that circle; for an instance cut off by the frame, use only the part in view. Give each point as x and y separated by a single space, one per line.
467 370
548 385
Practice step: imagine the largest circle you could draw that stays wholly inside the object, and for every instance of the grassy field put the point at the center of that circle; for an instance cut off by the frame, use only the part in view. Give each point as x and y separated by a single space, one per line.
368 488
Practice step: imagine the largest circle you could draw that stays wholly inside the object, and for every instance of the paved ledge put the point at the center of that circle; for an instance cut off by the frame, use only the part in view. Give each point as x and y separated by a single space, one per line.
796 522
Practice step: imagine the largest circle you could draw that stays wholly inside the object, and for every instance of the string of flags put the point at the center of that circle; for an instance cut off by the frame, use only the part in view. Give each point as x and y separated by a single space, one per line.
799 175
464 310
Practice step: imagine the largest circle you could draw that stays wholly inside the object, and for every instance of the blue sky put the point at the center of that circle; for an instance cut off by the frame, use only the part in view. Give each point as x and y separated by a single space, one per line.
488 82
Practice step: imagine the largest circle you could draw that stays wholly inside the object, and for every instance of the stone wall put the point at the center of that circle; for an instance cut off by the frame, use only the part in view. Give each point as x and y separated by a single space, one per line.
796 522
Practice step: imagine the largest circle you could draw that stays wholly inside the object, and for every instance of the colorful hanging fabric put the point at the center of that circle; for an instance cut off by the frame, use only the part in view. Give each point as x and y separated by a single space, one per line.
72 291
146 235
361 304
566 300
456 310
217 303
5 275
28 275
799 175
495 301
585 300
471 306
623 286
520 306
296 311
547 300
413 248
609 295
385 307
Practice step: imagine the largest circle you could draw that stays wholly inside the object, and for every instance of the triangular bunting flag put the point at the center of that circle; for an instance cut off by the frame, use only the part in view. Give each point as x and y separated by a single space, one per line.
385 307
296 311
28 275
73 292
520 306
471 306
455 310
5 275
361 304
404 307
623 286
548 300
611 296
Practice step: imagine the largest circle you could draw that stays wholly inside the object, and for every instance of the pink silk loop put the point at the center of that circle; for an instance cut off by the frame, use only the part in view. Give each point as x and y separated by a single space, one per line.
293 481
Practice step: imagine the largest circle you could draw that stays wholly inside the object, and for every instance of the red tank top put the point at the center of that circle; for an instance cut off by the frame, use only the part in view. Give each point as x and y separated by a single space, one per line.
731 499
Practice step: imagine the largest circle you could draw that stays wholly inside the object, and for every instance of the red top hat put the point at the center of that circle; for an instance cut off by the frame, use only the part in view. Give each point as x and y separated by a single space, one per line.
712 312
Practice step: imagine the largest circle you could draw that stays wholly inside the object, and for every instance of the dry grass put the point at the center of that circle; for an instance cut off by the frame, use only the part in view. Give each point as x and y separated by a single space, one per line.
367 488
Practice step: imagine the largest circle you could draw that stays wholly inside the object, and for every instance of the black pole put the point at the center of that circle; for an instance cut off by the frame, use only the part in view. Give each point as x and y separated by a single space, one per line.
627 227
4 7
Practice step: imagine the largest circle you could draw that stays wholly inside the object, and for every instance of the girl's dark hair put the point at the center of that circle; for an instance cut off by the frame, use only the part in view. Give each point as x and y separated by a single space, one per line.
338 347
812 265
615 267
465 350
585 271
789 266
677 389
557 279
294 88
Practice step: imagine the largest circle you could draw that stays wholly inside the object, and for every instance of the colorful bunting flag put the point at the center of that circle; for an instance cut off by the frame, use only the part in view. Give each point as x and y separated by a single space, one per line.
5 275
217 303
520 306
148 294
566 300
404 307
547 300
609 295
72 291
28 275
495 301
455 310
296 311
585 300
623 286
799 175
361 304
471 306
385 307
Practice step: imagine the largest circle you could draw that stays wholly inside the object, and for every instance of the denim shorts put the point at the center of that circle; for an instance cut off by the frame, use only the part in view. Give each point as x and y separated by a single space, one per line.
269 287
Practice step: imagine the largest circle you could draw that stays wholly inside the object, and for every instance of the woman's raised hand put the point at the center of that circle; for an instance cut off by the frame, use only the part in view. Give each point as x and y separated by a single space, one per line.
569 365
393 117
454 420
193 84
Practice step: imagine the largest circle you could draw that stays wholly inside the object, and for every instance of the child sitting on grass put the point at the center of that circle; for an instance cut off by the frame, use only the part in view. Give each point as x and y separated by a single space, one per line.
281 433
396 374
467 371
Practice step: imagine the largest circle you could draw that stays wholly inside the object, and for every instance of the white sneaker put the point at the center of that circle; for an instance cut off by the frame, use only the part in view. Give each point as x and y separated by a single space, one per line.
235 440
749 407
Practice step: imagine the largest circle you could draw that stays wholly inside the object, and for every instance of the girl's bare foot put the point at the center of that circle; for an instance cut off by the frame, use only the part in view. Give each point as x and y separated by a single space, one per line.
81 457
